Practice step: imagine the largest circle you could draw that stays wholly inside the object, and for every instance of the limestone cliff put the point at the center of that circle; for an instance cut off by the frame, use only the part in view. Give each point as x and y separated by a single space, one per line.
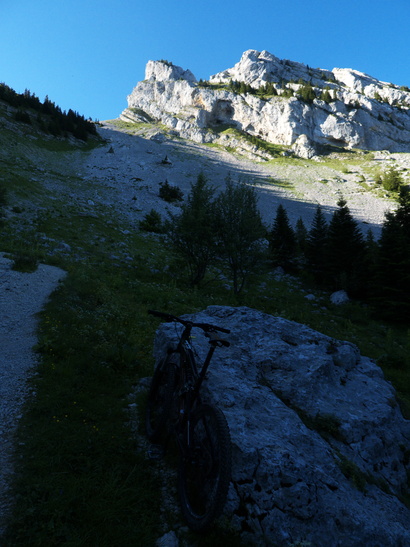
279 101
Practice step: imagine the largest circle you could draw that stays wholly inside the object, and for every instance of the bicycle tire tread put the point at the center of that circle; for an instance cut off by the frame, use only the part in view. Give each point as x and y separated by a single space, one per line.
200 522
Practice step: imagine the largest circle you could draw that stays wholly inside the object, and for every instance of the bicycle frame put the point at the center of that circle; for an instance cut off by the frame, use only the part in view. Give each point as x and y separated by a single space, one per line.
190 381
175 409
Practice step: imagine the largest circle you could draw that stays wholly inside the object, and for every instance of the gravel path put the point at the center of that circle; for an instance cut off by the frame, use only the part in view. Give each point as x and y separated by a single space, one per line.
22 296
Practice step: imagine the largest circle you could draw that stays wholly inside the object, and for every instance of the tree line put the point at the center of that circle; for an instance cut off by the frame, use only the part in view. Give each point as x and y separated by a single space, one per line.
305 93
227 230
49 117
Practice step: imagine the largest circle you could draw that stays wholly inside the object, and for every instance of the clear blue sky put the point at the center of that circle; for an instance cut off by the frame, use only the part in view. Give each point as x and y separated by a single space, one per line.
89 54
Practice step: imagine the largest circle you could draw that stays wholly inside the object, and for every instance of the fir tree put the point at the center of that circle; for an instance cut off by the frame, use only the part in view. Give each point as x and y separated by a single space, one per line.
370 266
316 246
403 211
282 240
394 260
307 93
345 251
325 95
301 235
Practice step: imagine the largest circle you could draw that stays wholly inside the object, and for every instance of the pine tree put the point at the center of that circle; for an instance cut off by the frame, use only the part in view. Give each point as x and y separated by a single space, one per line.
301 235
307 93
316 246
370 266
325 95
282 240
394 260
345 251
403 211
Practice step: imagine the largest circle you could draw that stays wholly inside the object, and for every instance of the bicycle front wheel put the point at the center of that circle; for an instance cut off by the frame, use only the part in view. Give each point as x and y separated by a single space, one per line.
205 471
160 399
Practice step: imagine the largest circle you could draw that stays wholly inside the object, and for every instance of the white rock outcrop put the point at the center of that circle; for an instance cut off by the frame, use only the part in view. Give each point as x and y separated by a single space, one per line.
358 111
320 448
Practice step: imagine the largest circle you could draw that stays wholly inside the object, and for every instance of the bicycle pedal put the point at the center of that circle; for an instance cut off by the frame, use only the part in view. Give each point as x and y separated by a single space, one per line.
155 452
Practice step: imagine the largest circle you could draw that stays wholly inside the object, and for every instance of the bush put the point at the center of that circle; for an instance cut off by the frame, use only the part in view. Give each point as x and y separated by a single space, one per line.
326 96
152 222
239 230
25 262
170 193
306 93
192 233
392 180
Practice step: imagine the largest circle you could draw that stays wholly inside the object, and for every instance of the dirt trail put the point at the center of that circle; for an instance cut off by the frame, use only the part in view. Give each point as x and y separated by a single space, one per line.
22 296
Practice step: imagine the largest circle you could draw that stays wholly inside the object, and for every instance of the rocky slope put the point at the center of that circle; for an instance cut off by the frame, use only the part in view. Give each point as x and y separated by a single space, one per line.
303 108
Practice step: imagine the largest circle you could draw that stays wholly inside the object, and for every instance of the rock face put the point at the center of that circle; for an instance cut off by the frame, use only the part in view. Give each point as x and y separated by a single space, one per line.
320 449
351 109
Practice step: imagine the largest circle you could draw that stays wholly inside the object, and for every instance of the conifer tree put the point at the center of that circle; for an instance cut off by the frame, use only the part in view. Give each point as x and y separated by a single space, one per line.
394 260
345 251
403 211
316 246
282 240
301 235
307 93
371 264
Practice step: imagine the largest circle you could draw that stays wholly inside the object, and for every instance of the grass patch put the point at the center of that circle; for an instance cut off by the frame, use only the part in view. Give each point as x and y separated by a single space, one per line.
281 183
274 150
64 145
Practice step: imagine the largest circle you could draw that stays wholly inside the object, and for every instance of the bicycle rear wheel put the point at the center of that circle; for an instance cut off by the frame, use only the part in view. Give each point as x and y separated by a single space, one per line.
205 472
160 399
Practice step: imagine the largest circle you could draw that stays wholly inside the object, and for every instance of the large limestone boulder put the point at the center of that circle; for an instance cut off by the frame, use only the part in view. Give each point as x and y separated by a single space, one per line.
320 447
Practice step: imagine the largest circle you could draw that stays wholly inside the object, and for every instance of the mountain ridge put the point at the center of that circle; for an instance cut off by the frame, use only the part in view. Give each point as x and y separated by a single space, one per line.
306 110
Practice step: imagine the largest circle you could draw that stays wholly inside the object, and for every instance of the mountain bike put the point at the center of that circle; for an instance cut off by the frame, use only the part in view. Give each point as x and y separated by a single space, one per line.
175 407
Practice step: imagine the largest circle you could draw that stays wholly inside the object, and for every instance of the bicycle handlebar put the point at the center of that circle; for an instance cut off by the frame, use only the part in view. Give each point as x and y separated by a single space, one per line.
204 326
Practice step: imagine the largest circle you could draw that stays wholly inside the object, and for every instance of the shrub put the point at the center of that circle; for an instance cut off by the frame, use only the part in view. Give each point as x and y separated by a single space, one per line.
170 193
306 93
25 262
392 180
192 233
239 229
326 96
152 222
